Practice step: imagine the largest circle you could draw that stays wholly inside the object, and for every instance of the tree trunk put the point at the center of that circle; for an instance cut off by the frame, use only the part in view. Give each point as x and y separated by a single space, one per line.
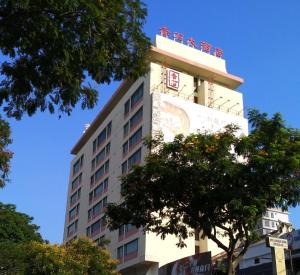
231 268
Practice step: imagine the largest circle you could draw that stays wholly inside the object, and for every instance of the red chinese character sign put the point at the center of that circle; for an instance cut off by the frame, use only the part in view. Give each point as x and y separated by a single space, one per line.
218 52
164 31
204 46
172 79
178 37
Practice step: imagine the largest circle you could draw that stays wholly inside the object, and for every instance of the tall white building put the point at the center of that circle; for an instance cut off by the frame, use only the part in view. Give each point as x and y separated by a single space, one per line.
186 90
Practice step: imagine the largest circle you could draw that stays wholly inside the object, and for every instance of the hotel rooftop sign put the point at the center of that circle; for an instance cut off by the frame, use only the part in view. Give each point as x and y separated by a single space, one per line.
203 46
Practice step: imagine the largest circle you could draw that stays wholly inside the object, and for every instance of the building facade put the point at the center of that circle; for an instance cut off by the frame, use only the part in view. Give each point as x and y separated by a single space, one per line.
186 90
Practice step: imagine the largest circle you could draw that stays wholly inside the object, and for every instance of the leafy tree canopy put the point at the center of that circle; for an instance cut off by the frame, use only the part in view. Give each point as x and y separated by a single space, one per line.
80 257
16 227
217 183
5 154
50 47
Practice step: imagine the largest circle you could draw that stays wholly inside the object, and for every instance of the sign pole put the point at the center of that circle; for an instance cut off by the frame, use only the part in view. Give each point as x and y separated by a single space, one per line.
277 246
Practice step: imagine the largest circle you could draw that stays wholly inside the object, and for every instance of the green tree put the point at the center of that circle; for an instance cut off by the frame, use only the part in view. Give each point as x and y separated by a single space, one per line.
219 184
5 154
50 47
16 229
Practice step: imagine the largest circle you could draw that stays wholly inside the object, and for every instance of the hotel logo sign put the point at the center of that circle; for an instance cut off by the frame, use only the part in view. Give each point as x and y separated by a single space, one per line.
173 79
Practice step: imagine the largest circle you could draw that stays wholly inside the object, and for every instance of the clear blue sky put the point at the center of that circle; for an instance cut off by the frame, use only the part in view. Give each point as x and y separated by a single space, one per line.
260 40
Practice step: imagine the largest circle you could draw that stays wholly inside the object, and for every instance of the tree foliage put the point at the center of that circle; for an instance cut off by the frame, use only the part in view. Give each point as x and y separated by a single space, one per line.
217 183
16 227
50 48
5 154
82 257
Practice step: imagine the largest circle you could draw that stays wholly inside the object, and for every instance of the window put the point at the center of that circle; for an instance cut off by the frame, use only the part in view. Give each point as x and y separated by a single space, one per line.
126 108
101 138
93 164
95 227
120 252
267 223
103 223
272 215
104 201
273 224
94 145
100 157
121 230
129 227
95 210
125 148
107 148
77 166
106 166
100 241
75 197
92 180
88 231
124 167
76 182
72 228
137 117
135 158
97 192
131 247
137 96
126 129
74 212
105 183
108 129
135 138
99 173
266 214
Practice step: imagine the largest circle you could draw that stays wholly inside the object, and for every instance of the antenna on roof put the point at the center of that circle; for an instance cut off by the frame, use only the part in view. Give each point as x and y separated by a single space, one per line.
86 126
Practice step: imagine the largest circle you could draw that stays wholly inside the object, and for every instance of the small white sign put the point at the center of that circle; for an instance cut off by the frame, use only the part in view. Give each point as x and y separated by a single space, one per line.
277 242
173 79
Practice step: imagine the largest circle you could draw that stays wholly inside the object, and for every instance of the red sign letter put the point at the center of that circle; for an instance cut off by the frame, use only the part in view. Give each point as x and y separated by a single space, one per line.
205 47
191 42
164 31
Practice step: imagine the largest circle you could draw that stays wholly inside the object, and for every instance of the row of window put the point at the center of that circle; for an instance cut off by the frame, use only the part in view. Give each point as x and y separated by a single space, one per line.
74 212
270 224
269 214
98 191
132 141
133 122
135 158
134 100
103 170
96 227
97 209
127 230
75 197
72 228
77 181
102 137
77 165
101 156
128 251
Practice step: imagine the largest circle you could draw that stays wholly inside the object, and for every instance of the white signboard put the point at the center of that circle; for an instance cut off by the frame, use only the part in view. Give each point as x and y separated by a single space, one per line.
277 242
172 115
